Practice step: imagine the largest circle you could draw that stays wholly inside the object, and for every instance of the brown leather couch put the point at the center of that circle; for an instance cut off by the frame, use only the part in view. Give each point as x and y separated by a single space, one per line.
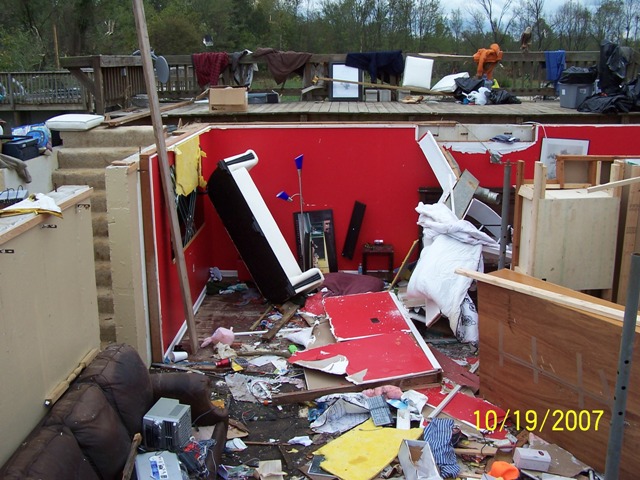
87 433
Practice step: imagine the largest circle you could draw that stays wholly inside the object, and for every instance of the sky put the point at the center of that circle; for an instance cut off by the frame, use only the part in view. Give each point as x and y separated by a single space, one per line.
550 6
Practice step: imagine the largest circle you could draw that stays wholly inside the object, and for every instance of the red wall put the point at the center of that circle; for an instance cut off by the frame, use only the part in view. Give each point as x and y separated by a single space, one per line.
380 166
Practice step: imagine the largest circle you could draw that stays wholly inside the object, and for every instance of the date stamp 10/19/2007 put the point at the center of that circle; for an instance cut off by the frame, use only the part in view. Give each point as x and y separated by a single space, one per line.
556 420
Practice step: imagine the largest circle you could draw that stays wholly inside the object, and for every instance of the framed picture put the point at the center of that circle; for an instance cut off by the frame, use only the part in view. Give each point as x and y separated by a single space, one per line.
560 146
316 240
348 90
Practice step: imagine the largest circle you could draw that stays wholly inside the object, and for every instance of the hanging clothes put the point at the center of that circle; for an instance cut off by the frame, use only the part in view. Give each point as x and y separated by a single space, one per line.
188 161
282 64
555 63
242 72
380 65
209 66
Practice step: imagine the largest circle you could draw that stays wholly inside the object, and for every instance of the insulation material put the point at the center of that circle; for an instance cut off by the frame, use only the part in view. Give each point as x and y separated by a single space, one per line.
370 359
361 453
364 315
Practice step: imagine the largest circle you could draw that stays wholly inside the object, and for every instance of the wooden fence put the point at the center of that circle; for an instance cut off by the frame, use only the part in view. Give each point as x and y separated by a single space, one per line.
104 83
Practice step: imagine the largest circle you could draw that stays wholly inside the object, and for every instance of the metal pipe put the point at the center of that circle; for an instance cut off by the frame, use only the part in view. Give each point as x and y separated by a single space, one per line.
504 224
616 434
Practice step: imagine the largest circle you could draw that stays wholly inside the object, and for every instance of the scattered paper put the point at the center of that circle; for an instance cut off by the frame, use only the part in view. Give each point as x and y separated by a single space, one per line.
270 470
346 411
235 445
302 440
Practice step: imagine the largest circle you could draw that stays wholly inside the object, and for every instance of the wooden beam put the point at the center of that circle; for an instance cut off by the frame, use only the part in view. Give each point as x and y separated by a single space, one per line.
517 216
289 309
615 184
116 122
554 297
167 186
62 387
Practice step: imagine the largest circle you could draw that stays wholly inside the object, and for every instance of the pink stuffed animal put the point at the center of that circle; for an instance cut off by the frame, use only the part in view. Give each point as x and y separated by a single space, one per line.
221 335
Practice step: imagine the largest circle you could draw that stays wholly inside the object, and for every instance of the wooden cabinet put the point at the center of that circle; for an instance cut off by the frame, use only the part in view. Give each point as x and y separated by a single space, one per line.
568 236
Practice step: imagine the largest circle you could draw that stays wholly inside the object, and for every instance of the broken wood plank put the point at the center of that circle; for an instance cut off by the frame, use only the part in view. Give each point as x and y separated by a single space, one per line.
289 309
409 383
62 387
562 361
610 312
614 184
132 117
165 171
482 450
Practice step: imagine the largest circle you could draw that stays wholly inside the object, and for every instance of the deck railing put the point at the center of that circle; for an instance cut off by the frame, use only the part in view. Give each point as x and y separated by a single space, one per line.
103 83
46 90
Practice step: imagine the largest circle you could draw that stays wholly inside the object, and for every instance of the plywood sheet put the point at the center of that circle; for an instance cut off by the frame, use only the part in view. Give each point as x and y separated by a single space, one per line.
558 362
370 359
363 315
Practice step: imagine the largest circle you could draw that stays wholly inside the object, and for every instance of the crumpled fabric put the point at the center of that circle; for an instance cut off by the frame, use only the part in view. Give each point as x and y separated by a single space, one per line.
449 243
438 435
188 163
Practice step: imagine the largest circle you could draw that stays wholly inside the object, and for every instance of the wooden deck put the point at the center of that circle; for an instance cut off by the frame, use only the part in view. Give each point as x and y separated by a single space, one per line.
542 111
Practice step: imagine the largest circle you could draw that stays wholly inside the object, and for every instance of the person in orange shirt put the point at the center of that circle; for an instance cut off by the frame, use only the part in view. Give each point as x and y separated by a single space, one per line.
487 59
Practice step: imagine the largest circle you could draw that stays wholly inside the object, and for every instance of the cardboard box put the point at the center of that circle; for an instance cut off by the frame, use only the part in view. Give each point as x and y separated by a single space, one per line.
228 99
417 461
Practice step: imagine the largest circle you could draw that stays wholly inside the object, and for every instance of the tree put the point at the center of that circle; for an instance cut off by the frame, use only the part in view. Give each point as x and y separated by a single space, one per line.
571 26
499 18
456 25
21 50
608 22
530 13
428 22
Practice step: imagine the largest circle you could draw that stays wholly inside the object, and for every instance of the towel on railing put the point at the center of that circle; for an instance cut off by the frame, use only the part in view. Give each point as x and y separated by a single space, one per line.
208 66
555 62
380 65
283 64
242 72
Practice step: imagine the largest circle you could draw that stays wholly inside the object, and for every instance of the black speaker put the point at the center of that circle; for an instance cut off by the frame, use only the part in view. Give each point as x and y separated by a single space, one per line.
354 230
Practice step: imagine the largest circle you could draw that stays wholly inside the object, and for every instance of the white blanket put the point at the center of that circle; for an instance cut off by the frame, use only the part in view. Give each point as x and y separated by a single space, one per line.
448 243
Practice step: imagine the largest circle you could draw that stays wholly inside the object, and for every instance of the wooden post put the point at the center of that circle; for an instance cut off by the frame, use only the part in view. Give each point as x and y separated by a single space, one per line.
169 194
517 216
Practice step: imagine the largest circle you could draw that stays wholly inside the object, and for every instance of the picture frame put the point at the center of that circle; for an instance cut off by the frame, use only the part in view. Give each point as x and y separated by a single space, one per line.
348 91
315 240
560 146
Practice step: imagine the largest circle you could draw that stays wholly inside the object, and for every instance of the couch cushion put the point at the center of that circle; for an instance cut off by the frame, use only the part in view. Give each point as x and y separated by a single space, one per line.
49 453
100 433
124 379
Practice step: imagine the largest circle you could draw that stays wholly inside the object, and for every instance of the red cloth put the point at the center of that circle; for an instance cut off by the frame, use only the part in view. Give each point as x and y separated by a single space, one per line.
208 66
